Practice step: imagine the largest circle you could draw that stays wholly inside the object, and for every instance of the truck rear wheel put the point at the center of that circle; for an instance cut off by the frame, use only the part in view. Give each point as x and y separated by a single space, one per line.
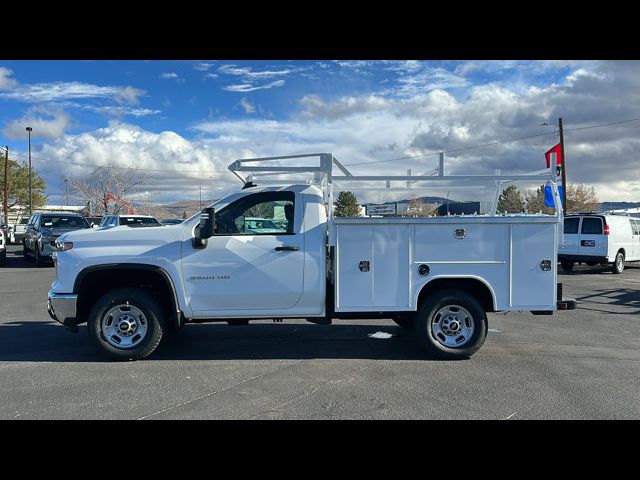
451 324
127 324
618 264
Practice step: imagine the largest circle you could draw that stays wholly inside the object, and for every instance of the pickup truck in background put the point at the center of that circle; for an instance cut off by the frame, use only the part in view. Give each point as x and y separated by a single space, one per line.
437 276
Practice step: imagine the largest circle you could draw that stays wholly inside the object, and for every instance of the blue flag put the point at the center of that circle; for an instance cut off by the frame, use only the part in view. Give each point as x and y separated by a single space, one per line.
548 195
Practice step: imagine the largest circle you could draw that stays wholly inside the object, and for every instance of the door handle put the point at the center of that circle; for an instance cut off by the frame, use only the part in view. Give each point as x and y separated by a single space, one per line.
287 248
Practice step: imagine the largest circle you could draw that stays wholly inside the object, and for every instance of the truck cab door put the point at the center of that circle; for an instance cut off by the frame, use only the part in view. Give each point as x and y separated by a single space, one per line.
254 263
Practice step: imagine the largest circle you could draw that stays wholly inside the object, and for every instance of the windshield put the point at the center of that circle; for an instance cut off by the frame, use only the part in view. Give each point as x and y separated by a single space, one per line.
24 221
63 221
138 221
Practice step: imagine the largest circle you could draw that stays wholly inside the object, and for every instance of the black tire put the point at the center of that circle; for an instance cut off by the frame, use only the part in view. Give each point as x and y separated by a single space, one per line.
25 253
618 263
37 258
439 300
156 323
566 265
405 321
3 258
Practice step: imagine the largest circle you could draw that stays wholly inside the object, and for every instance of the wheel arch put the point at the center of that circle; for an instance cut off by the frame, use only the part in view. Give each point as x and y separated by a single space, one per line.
476 286
94 281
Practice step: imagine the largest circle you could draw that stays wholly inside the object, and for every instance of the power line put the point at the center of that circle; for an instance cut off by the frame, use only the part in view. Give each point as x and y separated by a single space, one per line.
491 143
122 167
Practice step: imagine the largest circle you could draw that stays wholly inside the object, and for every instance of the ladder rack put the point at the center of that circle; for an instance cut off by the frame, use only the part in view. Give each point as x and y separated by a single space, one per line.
323 176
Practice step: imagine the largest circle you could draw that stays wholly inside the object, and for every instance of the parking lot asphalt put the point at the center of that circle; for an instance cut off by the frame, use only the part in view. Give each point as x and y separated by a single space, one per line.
582 364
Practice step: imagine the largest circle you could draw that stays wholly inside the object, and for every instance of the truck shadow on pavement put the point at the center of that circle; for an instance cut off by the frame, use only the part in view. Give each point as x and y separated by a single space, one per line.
36 341
600 299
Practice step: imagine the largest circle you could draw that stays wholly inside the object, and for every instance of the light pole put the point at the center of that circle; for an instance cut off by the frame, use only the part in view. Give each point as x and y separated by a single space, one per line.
29 129
66 192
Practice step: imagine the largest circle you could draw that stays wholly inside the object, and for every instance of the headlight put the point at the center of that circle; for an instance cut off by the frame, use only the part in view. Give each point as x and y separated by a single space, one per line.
63 246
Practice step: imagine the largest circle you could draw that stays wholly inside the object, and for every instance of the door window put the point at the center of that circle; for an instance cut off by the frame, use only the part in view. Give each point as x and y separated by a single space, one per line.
592 226
265 213
571 225
635 226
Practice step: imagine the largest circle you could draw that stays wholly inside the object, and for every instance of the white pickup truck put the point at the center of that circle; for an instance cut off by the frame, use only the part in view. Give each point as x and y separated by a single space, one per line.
437 276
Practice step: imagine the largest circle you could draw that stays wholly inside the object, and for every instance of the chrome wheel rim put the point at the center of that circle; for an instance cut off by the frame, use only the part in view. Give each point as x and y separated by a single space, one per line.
619 262
124 326
452 326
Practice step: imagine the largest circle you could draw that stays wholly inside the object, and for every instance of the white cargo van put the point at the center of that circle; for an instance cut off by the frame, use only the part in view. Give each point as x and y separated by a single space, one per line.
600 239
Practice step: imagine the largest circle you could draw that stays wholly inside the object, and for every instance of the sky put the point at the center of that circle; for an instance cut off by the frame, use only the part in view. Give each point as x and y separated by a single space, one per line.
183 122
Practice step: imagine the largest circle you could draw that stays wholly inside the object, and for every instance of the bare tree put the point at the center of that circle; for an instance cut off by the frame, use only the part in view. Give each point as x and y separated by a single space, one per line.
417 208
95 188
581 197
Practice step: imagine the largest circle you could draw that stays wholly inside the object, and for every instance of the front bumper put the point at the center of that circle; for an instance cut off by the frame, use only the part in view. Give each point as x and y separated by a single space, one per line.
48 248
62 308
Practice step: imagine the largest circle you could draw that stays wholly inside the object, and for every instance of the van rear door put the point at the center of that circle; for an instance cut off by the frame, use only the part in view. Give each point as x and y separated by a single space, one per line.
593 242
571 243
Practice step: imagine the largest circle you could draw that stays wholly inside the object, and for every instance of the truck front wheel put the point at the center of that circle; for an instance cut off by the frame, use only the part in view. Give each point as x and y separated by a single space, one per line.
451 324
127 324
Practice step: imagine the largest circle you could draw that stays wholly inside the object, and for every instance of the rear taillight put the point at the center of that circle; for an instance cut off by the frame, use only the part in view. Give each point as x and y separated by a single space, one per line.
606 230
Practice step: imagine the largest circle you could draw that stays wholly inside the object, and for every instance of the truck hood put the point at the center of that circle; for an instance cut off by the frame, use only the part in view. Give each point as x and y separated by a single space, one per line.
123 236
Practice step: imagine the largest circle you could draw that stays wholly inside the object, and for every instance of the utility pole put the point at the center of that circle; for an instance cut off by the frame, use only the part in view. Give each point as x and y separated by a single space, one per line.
6 186
564 168
29 129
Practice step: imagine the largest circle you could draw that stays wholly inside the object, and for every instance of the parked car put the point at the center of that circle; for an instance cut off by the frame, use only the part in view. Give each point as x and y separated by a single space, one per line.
171 221
3 248
44 228
130 220
19 229
600 239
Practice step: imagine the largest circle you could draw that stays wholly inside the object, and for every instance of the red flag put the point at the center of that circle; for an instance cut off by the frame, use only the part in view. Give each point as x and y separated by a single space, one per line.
556 150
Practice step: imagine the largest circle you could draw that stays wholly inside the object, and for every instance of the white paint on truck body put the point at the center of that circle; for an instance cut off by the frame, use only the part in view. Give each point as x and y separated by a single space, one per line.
502 252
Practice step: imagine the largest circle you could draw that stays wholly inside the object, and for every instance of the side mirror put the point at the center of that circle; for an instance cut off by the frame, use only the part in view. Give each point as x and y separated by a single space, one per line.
205 228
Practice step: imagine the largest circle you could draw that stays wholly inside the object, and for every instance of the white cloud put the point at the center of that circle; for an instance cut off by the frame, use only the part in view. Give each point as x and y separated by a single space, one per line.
169 76
122 111
247 105
211 75
248 87
6 82
203 66
249 73
45 124
58 91
129 95
183 165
